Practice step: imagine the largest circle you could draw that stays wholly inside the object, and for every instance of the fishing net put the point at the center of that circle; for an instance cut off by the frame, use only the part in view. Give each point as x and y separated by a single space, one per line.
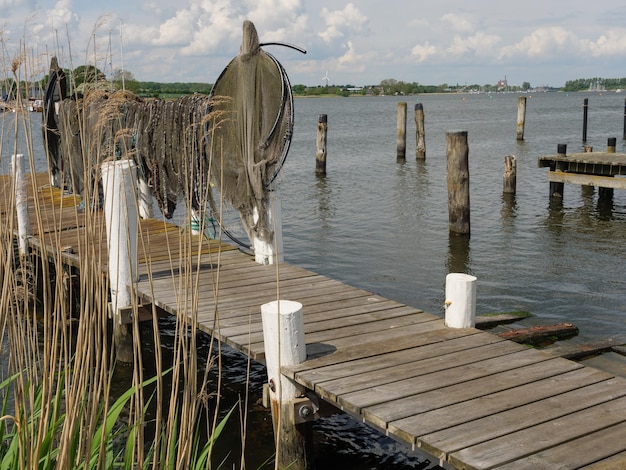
166 139
56 91
234 141
252 129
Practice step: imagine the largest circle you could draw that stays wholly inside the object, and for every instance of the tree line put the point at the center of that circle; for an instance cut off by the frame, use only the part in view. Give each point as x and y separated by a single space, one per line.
90 76
595 84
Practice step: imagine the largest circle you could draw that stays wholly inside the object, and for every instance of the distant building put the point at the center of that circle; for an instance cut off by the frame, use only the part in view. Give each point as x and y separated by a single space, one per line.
502 84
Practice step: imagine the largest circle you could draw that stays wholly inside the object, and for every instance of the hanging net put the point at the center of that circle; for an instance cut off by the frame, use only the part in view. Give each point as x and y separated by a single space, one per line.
233 142
251 131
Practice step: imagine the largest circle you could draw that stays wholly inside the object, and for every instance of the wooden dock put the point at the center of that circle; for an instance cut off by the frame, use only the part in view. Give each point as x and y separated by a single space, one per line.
467 397
601 169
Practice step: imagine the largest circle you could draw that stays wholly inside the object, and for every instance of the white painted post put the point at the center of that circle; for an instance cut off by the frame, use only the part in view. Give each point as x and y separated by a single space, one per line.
145 199
120 211
283 336
460 301
270 252
119 179
21 200
196 222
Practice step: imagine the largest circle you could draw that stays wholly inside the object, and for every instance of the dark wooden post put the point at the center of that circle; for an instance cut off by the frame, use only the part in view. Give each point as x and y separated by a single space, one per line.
510 175
457 152
320 155
401 131
556 189
624 136
420 138
585 114
521 117
607 193
611 144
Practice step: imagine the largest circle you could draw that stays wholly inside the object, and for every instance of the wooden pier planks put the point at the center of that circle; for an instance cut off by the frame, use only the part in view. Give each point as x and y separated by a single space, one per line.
587 169
465 396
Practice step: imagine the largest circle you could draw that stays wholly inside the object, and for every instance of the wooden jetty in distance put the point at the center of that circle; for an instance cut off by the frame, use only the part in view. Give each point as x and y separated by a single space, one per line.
601 169
470 399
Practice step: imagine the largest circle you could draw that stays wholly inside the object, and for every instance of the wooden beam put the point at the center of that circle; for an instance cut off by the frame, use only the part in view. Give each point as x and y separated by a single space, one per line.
540 333
587 180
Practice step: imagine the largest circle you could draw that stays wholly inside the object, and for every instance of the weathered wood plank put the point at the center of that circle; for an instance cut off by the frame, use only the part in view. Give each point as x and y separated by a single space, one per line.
376 394
450 406
538 333
331 344
579 453
385 358
322 322
326 317
250 296
350 331
587 180
610 362
373 349
579 350
611 463
405 364
487 442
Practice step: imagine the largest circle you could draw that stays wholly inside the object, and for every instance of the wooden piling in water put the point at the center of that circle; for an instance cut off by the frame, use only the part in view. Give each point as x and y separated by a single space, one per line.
320 155
607 193
521 117
611 144
585 116
460 303
401 131
556 188
18 168
457 152
270 251
510 175
121 218
624 134
420 138
283 337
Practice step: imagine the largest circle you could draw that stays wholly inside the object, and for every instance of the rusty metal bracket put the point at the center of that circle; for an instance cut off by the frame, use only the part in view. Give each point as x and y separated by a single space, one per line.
305 409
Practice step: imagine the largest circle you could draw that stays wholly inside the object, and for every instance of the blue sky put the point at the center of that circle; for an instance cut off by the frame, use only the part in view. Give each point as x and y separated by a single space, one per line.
357 42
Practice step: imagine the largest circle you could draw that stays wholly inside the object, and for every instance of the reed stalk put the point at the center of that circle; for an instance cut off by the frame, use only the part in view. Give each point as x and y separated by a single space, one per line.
58 404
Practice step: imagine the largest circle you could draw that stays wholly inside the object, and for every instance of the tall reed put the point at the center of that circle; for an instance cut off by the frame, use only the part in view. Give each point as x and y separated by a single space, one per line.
59 405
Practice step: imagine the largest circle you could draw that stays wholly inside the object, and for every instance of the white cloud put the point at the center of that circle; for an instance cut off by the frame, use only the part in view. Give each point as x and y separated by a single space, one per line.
480 44
351 60
425 51
342 23
459 23
546 43
612 43
209 26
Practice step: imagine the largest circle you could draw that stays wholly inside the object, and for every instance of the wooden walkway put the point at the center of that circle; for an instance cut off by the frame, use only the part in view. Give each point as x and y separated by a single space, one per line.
467 397
587 169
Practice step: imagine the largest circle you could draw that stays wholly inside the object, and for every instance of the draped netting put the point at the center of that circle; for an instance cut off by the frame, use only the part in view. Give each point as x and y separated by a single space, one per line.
253 125
233 141
166 139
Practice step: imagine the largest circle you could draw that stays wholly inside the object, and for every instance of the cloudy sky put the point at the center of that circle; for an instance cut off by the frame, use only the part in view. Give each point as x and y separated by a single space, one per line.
356 42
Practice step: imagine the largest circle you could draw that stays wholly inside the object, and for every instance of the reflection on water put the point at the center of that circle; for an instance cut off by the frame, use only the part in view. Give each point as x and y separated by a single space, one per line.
459 254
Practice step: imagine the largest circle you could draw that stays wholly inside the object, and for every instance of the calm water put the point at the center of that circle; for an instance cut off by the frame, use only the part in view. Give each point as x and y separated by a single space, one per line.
383 226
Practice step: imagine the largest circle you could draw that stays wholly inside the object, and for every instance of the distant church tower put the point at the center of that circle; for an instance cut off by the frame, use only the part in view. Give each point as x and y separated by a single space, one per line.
502 84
